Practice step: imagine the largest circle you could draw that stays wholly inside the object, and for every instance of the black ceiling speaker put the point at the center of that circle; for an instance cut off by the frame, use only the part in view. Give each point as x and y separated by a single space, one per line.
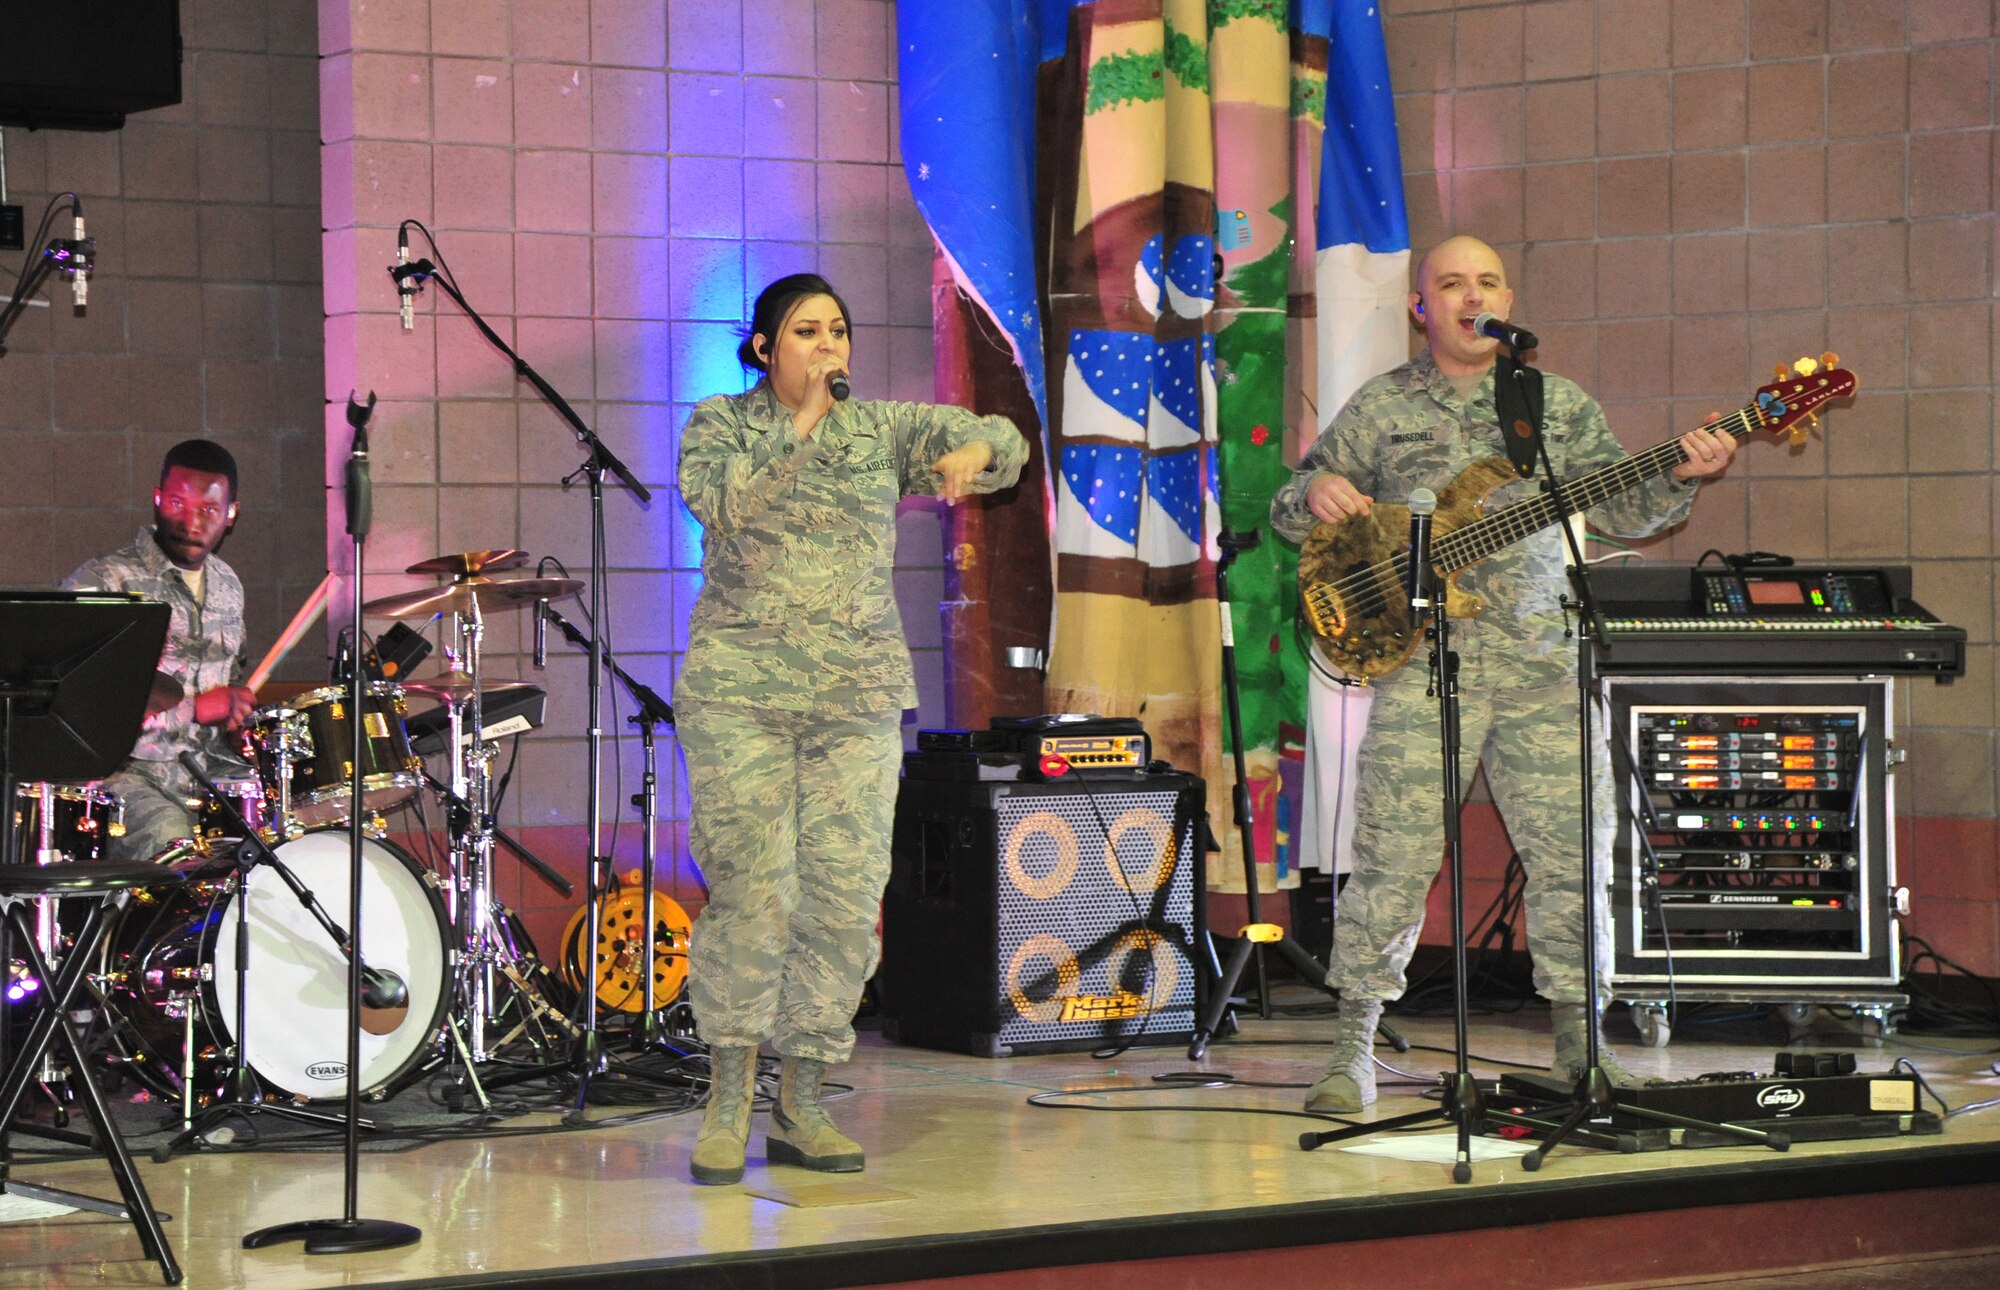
85 64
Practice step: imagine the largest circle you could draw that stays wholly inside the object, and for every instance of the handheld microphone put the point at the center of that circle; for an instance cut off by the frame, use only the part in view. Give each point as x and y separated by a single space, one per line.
836 385
406 285
1417 577
542 634
1518 339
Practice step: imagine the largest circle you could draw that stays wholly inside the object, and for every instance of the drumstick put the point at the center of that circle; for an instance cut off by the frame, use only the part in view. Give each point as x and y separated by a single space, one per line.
308 615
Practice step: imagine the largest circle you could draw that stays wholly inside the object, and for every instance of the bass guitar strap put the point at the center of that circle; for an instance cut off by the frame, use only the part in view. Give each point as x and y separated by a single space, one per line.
1517 397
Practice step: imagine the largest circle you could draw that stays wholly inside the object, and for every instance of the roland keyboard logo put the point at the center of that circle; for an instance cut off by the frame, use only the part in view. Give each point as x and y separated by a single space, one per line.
1781 1097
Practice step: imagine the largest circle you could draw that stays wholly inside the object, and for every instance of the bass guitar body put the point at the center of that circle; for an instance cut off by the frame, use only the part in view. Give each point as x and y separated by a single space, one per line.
1351 574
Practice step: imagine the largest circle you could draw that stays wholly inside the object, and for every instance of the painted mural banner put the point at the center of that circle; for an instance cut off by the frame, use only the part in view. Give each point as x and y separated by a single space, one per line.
1135 194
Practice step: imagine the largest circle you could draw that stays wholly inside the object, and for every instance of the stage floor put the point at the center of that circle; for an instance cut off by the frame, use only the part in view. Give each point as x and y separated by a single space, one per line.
964 1176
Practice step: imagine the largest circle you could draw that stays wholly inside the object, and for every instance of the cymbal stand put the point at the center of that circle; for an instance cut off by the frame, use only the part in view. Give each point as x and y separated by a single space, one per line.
473 845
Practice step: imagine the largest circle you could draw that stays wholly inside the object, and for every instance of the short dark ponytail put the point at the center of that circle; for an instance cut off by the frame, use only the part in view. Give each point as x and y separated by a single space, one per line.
774 303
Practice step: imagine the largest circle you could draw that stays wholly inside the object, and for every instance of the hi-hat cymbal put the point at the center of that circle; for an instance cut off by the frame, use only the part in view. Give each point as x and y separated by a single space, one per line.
456 686
468 563
487 593
167 692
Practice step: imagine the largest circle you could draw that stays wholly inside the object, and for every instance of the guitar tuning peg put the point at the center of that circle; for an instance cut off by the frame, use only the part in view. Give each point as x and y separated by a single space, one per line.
1829 359
1797 434
1781 371
1805 366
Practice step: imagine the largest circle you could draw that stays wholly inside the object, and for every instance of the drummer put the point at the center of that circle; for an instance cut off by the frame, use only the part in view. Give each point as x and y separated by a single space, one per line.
174 562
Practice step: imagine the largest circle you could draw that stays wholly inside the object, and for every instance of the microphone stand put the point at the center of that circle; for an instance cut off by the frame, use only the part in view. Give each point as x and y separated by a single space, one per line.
653 711
587 1055
1594 1097
349 1234
1462 1102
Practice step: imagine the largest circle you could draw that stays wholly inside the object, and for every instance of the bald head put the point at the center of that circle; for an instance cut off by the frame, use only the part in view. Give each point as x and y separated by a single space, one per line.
1451 249
1458 279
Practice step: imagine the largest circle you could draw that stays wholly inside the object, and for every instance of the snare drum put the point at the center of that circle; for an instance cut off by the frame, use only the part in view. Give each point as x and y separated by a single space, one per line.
314 735
55 822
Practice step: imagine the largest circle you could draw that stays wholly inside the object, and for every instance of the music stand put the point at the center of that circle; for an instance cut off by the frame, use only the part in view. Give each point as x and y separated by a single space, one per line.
75 670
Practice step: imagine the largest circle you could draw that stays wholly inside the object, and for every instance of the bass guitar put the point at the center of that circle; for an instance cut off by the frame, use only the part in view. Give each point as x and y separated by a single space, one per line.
1351 573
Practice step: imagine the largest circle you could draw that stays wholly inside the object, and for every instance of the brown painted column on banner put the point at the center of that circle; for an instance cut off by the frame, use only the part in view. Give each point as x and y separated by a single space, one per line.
998 584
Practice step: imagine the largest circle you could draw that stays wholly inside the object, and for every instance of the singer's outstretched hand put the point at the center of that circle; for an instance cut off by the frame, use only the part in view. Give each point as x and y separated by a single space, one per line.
957 469
1332 498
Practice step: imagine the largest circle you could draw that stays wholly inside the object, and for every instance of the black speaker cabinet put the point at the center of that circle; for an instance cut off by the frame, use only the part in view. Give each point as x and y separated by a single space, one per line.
85 64
1031 917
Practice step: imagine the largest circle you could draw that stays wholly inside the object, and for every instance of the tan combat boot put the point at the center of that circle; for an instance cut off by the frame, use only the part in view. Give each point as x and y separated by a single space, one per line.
725 1125
1570 1021
1348 1084
802 1133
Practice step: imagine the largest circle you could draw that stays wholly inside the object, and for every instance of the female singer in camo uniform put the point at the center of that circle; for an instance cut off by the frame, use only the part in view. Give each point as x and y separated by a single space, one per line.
789 707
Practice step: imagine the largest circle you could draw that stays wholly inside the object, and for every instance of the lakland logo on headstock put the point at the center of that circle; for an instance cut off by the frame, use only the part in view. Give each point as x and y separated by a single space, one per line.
1351 574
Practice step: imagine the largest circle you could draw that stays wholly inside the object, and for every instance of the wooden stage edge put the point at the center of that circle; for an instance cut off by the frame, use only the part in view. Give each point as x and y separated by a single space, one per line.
1741 1218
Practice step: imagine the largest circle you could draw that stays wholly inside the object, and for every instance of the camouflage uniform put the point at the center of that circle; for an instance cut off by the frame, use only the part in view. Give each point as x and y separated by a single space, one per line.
1406 429
204 650
789 706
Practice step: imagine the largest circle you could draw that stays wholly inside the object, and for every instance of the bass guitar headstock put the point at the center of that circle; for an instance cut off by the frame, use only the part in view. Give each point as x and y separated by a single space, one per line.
1792 401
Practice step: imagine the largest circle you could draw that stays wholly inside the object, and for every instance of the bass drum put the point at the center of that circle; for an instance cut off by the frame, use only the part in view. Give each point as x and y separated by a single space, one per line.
180 951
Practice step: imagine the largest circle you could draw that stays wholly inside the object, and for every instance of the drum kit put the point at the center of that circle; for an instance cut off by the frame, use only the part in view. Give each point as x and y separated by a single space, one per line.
170 974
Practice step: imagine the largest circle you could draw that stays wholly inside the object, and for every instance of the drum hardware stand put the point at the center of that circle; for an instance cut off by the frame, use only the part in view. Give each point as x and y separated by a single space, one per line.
241 1094
453 1095
482 944
349 1234
587 1056
473 889
485 941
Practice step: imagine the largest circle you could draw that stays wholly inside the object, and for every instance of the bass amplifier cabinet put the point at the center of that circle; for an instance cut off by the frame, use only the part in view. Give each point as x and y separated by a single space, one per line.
1029 917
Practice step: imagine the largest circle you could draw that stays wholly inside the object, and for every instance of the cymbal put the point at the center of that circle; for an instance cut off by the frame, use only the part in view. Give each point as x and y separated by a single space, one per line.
456 686
487 593
167 692
467 563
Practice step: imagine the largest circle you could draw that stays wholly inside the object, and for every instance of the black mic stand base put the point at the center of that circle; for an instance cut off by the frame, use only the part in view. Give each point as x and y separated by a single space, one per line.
196 1135
337 1235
